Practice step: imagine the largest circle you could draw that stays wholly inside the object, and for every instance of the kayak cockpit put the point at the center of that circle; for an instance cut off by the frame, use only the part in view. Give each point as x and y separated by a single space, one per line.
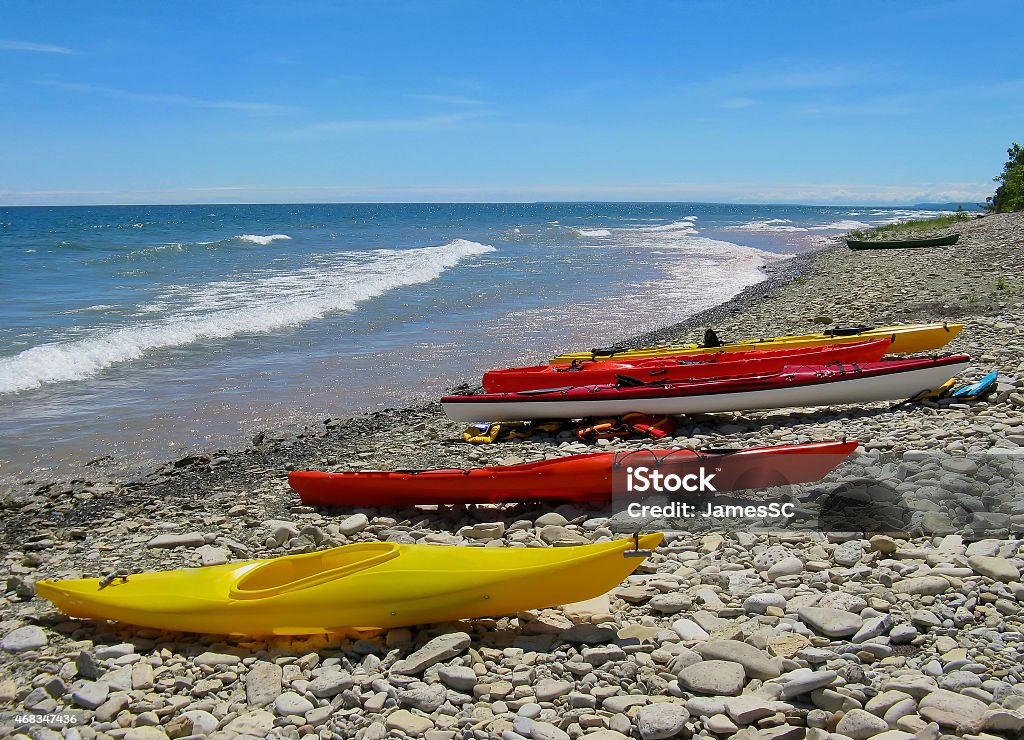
285 575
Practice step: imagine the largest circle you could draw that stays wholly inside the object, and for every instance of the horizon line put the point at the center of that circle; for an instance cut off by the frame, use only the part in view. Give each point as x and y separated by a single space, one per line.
862 204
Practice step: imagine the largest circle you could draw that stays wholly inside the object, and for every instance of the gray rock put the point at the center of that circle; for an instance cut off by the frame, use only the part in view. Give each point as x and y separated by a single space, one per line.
998 569
759 603
861 725
787 567
689 630
262 683
168 541
830 622
353 524
670 603
715 677
425 698
256 723
90 694
291 703
217 659
756 664
460 678
547 731
804 681
329 683
23 639
661 720
203 723
439 649
745 710
548 689
922 586
770 556
848 553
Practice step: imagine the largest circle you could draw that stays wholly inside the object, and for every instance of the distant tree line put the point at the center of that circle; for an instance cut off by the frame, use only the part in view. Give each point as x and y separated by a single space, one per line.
1009 195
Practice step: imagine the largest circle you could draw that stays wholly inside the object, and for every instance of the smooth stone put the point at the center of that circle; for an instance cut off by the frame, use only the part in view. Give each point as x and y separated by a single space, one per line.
291 703
715 677
997 569
745 710
460 677
440 648
661 720
203 723
688 630
411 724
25 638
830 622
804 681
721 724
622 704
788 567
670 603
353 524
168 541
755 663
90 694
329 683
216 659
547 731
759 603
950 709
922 586
860 725
548 689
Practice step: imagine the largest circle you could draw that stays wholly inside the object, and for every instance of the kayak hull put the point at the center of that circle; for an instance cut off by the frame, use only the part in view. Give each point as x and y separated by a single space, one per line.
678 369
374 585
814 386
906 339
576 478
935 241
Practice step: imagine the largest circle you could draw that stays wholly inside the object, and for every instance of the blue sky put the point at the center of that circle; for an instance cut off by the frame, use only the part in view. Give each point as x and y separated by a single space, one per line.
809 102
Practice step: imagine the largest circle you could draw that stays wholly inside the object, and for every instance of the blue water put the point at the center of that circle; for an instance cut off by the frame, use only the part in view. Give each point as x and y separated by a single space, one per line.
144 332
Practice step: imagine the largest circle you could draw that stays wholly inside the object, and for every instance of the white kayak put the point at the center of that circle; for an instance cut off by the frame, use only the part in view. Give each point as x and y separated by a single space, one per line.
806 385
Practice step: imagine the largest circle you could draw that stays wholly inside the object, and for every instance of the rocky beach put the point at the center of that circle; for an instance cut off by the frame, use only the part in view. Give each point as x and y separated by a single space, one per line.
913 634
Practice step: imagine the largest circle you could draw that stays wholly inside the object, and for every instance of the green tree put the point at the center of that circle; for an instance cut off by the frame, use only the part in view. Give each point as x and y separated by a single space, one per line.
1009 195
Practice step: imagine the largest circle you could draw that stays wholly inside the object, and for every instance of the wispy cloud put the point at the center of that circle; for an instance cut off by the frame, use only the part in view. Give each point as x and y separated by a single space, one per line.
437 122
12 45
450 99
163 99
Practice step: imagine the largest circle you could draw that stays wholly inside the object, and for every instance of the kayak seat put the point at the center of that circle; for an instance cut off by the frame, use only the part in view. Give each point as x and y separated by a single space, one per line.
282 575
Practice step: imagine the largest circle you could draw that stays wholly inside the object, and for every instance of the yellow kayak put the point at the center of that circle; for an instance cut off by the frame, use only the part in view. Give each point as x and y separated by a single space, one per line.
363 586
906 339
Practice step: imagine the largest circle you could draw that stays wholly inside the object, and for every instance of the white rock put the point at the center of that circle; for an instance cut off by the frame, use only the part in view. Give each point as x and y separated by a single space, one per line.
688 630
353 524
830 622
661 720
291 703
788 567
440 648
861 725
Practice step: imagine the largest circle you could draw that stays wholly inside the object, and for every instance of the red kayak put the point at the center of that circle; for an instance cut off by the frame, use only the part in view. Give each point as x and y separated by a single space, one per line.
586 477
679 368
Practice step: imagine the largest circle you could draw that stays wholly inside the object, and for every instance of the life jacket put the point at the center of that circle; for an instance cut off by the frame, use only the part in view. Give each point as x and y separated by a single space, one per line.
655 427
481 434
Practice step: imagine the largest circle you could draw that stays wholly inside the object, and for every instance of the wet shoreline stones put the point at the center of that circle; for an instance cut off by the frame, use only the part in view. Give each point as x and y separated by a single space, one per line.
739 634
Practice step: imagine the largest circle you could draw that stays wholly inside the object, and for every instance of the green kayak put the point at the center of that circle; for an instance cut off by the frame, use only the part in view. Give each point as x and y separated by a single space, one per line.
935 241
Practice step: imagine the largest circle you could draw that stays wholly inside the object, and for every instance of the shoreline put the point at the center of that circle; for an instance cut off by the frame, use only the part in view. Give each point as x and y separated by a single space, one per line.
238 505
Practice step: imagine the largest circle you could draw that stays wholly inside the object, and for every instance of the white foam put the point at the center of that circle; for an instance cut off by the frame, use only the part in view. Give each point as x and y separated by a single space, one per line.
770 224
261 240
252 304
844 225
593 232
684 226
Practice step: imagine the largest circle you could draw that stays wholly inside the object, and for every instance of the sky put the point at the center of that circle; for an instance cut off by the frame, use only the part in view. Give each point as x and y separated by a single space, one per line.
450 100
